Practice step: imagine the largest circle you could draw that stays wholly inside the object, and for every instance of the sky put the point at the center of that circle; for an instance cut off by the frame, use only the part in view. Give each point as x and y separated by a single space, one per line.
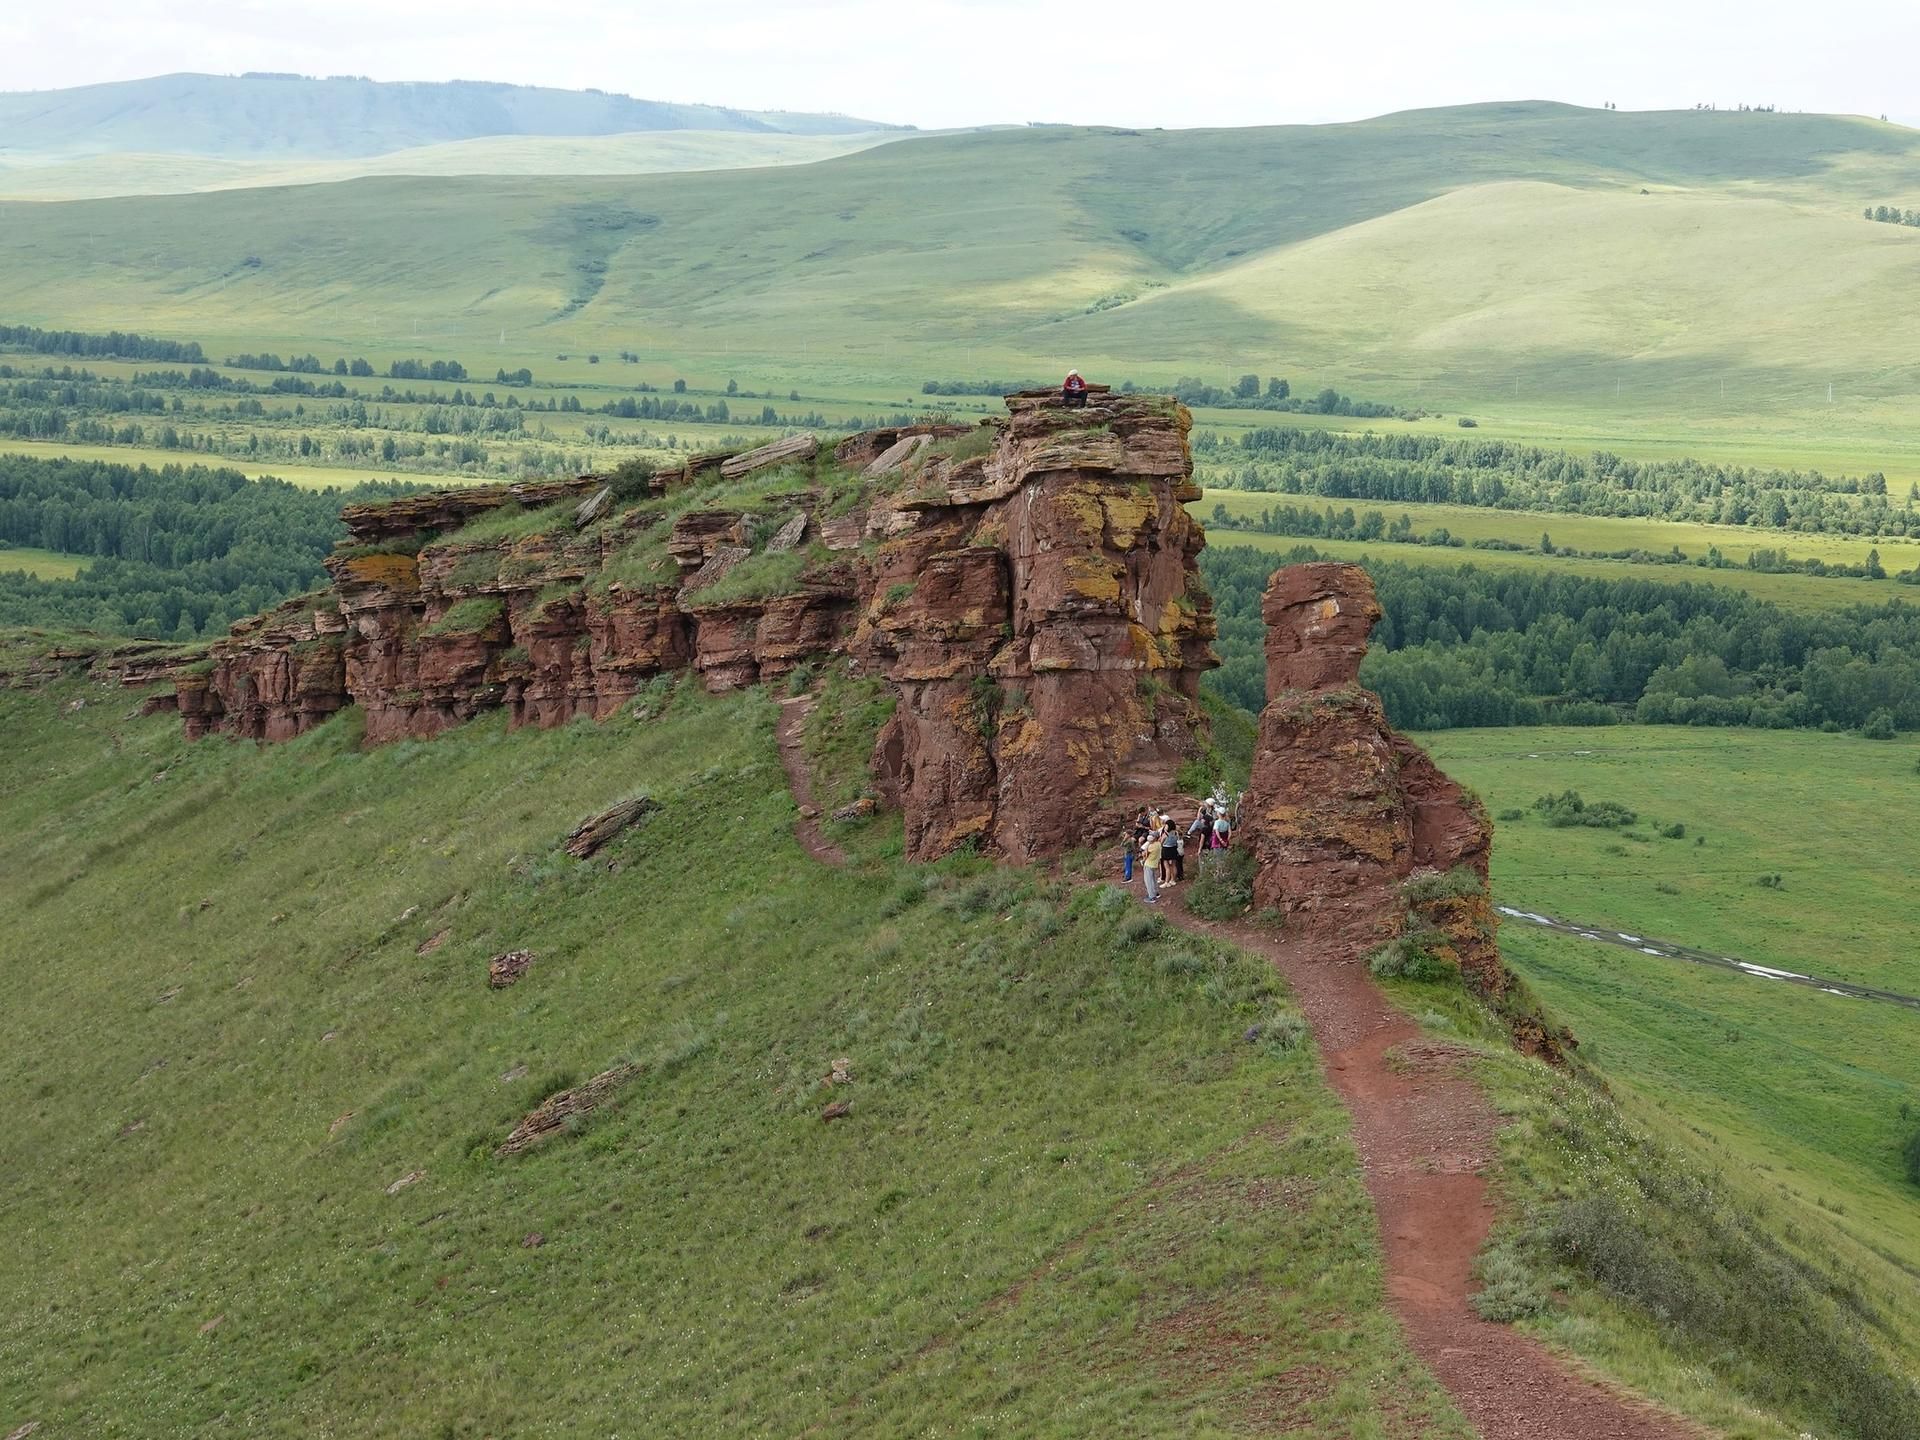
939 63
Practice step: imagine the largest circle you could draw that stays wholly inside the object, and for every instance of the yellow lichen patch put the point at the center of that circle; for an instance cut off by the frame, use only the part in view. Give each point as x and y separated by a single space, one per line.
1093 577
1081 504
1020 739
393 572
965 829
1329 608
1127 512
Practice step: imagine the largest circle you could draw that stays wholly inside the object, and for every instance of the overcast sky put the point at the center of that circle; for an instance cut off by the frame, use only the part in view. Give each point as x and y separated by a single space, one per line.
945 62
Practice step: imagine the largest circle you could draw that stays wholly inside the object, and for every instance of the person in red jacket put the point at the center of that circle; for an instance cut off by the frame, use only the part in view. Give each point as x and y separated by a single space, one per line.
1074 391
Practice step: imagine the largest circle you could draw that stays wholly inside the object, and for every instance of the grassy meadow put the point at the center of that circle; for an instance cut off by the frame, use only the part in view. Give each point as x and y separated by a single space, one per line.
1806 1096
260 1078
42 564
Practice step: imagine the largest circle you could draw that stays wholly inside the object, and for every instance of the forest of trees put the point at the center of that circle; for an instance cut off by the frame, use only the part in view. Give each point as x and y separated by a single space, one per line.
180 552
1466 646
1504 475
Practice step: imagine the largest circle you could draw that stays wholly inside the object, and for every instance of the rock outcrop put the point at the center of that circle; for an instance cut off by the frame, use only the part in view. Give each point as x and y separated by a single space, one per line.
1342 812
1030 590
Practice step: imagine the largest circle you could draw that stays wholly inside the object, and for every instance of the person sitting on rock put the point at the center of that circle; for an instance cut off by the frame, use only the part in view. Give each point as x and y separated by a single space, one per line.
1074 391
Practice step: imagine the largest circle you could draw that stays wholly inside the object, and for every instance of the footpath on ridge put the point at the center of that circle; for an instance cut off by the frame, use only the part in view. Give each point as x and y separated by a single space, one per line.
1426 1135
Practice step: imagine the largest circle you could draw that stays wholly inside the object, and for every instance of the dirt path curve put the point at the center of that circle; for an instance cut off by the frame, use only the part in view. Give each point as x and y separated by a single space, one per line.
793 759
1425 1136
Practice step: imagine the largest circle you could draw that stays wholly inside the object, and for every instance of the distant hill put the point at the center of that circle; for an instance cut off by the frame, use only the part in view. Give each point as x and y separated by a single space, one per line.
254 116
1538 258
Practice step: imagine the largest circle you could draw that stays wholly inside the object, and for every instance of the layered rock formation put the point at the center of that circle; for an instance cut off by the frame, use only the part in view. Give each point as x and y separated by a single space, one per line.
1030 590
1342 811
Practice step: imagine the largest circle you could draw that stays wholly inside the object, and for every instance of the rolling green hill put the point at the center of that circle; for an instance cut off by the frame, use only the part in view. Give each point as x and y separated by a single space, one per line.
1496 258
268 114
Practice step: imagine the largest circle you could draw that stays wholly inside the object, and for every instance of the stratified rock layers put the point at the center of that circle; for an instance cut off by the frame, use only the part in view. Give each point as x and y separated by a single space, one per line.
1034 599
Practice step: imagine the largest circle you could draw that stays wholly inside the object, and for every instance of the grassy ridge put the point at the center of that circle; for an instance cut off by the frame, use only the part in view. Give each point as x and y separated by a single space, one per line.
1064 1169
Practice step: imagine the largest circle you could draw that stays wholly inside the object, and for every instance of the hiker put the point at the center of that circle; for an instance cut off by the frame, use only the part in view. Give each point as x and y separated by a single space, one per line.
1176 852
1073 392
1133 845
1222 831
1150 852
1202 827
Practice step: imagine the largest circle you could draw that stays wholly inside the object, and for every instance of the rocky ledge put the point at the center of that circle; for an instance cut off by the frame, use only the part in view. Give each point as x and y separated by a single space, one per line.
1028 588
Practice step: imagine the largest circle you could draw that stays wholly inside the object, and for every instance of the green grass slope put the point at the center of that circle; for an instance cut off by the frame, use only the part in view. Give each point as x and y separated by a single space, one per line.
265 114
1806 1097
248 995
1434 258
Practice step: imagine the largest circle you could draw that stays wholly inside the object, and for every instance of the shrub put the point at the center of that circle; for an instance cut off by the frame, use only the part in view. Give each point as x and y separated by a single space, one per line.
1432 885
1511 815
1675 831
1282 1032
1770 882
1569 809
1467 422
800 679
1224 888
1508 1291
1408 958
1139 927
1911 1155
1879 726
632 478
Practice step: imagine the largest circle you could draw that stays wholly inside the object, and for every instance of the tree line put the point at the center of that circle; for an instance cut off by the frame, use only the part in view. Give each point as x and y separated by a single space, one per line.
114 344
1372 525
1892 215
1504 475
180 552
1467 647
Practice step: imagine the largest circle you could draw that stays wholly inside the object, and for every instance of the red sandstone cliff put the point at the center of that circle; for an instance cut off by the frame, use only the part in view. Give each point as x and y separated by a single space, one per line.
1341 811
1032 595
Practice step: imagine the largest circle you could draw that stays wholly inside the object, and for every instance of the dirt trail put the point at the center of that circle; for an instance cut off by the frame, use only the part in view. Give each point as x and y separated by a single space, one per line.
793 759
1425 1136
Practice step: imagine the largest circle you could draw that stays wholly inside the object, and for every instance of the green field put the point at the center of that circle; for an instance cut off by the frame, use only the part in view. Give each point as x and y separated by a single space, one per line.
313 477
1496 259
42 564
1798 1091
236 1037
1795 592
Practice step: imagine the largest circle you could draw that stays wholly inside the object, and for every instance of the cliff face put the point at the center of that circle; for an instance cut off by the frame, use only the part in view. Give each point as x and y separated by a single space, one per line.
1341 810
1030 592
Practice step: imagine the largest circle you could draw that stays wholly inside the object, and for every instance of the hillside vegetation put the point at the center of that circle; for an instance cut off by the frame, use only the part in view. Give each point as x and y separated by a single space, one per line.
250 1001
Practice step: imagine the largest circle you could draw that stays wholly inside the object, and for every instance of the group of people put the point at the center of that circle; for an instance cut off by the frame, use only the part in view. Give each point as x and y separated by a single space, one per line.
1158 849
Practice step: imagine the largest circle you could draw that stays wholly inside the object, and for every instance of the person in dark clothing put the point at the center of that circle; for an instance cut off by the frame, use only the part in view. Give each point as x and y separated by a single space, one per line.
1074 391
